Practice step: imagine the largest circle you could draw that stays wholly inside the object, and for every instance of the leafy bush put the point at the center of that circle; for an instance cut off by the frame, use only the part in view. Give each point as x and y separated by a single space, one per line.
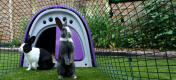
105 33
15 43
159 27
156 28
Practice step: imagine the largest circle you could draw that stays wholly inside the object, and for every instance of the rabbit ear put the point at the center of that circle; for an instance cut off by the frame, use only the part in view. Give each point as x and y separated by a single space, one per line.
32 39
27 38
58 23
65 24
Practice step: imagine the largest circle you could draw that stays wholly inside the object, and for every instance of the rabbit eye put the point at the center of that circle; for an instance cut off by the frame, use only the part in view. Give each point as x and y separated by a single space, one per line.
63 29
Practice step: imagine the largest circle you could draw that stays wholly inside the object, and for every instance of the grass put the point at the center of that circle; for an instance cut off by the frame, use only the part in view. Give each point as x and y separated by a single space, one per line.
117 68
9 61
10 70
82 73
139 68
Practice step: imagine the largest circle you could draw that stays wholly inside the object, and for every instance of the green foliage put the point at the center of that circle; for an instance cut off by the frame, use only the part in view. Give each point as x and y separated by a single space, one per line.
158 27
14 43
117 1
105 32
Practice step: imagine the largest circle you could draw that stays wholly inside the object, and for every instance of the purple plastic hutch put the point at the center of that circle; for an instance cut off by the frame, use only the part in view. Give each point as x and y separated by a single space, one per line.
43 26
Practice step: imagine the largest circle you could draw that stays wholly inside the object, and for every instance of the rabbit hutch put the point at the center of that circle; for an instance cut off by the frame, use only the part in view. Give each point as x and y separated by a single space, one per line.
43 26
114 39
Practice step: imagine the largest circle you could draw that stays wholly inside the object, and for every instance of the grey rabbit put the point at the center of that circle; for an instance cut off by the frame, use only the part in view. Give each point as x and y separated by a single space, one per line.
65 66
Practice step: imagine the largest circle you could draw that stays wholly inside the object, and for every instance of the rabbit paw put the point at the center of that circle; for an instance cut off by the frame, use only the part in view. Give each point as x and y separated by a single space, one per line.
60 77
74 76
28 69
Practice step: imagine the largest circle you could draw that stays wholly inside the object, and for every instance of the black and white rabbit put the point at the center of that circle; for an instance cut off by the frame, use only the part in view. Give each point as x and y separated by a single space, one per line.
37 58
65 65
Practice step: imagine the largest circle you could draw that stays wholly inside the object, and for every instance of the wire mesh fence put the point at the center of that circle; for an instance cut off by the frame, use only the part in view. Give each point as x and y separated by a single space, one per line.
133 40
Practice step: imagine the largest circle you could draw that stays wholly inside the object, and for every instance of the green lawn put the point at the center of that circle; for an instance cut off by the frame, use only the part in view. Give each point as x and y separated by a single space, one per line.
10 70
116 67
139 68
82 73
9 61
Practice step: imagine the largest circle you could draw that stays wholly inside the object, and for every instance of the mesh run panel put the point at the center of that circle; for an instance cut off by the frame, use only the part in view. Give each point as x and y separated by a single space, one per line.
133 40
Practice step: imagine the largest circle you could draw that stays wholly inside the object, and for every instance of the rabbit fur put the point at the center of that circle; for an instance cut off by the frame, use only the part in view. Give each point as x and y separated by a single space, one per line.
65 66
37 58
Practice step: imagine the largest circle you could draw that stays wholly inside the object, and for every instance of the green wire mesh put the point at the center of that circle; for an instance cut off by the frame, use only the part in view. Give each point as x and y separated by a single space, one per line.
133 40
138 40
